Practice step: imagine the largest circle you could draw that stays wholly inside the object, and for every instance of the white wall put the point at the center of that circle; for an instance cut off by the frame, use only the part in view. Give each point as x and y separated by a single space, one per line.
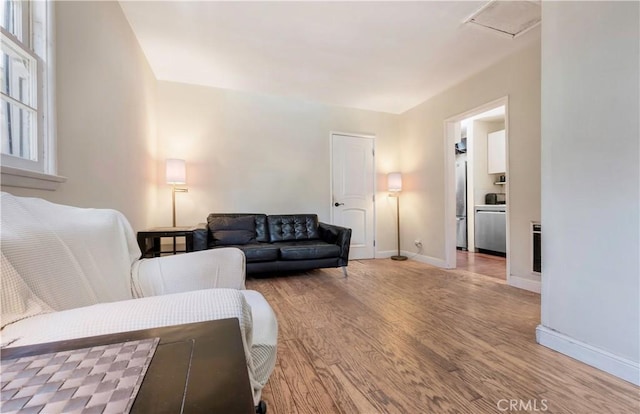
471 162
105 113
591 178
422 155
254 153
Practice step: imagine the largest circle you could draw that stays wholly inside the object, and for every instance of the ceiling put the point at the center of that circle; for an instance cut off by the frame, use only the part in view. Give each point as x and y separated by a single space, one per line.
381 56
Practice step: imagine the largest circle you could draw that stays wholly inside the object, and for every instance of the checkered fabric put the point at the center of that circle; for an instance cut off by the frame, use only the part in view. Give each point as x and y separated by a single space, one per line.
103 379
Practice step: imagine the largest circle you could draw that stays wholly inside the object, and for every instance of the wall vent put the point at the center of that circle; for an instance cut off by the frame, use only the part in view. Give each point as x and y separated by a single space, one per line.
536 247
510 18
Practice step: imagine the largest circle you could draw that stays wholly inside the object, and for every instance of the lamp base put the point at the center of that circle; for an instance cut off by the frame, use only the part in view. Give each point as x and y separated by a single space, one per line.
399 258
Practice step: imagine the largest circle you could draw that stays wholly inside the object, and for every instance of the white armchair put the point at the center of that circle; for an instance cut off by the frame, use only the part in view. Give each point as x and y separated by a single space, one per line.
69 272
187 272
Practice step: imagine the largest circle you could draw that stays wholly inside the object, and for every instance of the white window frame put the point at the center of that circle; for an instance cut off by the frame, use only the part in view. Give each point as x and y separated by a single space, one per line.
34 159
40 174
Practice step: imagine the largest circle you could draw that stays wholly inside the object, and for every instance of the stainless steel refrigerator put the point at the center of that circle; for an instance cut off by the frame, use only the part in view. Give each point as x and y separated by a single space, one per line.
461 201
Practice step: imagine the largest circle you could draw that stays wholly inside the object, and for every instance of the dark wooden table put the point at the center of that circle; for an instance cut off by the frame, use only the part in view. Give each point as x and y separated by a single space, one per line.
155 235
197 367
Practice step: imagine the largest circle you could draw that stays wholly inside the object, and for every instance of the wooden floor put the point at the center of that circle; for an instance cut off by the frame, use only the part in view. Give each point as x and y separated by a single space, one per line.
484 264
405 337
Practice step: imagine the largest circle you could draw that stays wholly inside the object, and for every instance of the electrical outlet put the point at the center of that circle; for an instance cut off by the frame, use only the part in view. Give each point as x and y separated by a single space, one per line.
417 242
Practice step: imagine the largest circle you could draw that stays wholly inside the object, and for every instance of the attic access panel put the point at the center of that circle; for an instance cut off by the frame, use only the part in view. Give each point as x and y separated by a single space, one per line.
511 18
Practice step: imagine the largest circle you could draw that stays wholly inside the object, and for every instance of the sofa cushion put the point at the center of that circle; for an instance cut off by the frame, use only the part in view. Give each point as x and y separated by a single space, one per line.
130 315
227 230
262 231
293 227
259 226
306 250
231 223
229 237
259 252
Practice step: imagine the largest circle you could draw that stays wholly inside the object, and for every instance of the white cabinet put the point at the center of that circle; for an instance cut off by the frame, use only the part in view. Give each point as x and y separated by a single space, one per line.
496 153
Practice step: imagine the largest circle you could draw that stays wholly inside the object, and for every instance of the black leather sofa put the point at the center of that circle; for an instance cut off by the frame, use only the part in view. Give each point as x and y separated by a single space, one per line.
273 243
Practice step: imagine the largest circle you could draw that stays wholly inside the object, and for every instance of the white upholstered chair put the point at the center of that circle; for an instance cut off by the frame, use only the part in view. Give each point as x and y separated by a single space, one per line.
71 272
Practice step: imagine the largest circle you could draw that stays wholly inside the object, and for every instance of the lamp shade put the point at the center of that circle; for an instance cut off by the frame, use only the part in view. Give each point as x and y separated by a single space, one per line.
176 171
394 182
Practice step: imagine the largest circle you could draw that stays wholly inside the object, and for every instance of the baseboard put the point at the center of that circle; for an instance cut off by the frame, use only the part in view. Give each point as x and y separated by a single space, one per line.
386 254
526 284
433 261
590 355
412 256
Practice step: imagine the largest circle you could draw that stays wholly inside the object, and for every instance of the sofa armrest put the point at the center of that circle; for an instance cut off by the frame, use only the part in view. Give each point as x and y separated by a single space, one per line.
340 236
208 269
201 237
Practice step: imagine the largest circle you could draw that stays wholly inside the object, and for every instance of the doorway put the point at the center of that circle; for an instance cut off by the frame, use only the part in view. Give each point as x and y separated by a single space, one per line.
476 203
352 190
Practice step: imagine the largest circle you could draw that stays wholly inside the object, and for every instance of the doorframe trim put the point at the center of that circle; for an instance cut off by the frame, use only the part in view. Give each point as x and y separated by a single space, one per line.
449 179
372 137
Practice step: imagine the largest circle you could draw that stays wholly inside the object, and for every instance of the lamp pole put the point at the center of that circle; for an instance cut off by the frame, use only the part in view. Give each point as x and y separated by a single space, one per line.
399 257
176 174
173 204
175 190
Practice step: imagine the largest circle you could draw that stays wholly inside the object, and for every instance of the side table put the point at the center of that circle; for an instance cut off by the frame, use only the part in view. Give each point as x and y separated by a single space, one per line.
150 240
197 368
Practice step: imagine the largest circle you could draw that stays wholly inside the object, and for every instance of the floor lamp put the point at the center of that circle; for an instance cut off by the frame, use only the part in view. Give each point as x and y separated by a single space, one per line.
176 174
394 185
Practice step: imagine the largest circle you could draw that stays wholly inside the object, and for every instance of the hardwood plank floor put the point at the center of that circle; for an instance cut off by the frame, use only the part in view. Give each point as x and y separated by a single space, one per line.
484 264
405 337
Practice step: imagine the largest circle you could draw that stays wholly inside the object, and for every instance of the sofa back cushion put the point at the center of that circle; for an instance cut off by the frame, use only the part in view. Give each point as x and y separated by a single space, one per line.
227 229
233 237
293 227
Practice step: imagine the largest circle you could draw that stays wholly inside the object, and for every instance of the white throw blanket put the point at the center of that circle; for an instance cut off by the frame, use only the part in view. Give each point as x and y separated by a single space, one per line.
131 315
17 300
67 273
68 256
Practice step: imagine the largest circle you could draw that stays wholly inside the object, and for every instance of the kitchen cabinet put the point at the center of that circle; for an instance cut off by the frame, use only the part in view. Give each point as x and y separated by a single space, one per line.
497 152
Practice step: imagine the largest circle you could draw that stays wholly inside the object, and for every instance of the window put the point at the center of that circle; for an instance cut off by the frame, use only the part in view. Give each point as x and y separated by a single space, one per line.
26 91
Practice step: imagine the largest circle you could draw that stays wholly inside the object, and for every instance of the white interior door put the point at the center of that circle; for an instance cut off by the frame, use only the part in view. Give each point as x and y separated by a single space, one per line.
352 180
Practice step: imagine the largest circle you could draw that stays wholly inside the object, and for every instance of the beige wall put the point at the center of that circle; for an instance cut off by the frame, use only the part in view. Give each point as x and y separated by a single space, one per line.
105 103
422 155
591 183
254 153
248 152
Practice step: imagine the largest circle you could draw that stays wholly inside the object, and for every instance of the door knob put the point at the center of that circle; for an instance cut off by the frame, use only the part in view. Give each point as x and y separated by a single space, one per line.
338 204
